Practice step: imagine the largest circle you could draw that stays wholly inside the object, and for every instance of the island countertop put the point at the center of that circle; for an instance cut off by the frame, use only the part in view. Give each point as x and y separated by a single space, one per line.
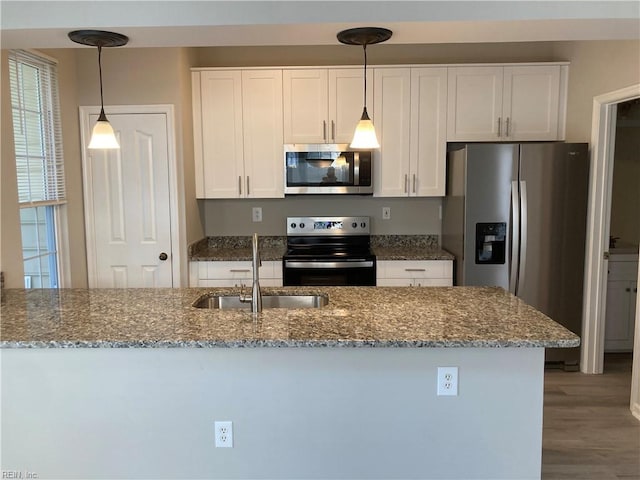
354 317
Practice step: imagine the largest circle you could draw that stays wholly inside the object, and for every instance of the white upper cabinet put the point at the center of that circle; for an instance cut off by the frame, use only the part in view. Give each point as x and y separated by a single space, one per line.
392 99
262 122
411 106
324 105
238 133
496 103
428 131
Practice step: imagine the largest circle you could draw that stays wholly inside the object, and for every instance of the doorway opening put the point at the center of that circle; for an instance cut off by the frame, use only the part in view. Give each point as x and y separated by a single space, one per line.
598 232
602 149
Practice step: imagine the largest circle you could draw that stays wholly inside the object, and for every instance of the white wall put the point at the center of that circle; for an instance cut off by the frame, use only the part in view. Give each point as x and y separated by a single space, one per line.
297 413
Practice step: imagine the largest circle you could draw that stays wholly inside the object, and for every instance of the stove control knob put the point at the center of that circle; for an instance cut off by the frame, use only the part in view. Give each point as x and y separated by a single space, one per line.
354 225
363 224
302 225
293 225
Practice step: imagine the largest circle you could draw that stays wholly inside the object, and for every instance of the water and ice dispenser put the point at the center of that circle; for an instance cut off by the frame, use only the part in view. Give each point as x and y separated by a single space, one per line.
491 243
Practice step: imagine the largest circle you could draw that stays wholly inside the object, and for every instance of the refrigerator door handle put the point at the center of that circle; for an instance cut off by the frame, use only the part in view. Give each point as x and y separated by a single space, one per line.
523 231
515 238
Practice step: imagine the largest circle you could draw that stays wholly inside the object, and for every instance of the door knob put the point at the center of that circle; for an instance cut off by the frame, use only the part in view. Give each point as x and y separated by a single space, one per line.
163 256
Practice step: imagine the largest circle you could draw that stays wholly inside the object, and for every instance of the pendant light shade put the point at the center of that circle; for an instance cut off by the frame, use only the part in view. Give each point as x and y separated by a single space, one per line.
364 136
103 136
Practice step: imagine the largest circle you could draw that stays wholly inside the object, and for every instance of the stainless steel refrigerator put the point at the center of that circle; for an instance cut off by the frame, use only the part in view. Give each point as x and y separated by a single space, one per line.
515 216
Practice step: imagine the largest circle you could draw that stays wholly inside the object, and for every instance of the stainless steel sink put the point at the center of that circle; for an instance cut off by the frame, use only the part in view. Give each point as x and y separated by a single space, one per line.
227 302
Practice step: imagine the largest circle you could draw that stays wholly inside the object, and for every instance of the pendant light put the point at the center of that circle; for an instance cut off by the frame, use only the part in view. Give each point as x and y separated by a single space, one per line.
102 135
365 134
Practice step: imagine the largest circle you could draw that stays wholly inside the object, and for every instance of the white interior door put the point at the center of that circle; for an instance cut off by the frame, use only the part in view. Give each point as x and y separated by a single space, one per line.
127 204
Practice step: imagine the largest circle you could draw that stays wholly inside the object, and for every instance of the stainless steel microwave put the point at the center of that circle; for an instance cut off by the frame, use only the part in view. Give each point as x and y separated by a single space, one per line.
327 169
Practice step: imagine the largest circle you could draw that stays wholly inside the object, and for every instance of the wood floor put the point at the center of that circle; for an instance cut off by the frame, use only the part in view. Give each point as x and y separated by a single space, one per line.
589 432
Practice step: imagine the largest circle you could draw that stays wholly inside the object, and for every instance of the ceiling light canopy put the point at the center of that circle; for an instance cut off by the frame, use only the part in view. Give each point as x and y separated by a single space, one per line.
103 135
365 133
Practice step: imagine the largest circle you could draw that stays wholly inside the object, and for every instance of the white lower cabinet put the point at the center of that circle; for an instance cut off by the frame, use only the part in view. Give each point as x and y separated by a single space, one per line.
233 273
622 294
414 273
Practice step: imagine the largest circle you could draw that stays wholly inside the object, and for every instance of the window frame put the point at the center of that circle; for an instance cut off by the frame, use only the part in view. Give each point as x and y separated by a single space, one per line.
56 160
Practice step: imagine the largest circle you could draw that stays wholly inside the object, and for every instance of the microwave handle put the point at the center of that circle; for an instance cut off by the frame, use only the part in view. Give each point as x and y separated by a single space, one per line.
356 168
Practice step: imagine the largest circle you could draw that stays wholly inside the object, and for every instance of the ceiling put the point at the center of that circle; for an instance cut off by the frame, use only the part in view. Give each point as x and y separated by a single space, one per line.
150 23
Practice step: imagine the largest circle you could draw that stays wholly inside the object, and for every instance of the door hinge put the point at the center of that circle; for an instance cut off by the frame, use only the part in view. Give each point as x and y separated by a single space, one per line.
605 255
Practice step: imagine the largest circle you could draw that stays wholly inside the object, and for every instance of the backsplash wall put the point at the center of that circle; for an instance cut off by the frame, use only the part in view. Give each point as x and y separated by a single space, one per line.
409 216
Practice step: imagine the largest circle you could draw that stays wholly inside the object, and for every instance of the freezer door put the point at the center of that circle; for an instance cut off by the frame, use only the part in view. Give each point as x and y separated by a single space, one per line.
491 170
554 181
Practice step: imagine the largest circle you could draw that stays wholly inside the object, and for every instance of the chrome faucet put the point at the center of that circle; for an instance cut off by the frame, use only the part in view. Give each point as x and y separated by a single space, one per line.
256 295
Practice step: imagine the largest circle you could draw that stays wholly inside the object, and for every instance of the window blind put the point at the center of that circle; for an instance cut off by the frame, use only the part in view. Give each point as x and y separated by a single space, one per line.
37 129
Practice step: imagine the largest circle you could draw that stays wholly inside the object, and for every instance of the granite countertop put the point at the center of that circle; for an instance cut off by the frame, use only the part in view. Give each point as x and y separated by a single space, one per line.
221 249
411 253
272 248
354 317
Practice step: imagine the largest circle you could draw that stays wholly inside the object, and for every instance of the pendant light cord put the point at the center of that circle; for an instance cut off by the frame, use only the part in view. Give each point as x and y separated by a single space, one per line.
364 47
100 72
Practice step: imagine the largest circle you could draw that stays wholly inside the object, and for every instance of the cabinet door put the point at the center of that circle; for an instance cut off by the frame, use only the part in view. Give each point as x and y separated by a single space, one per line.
620 316
392 102
428 131
531 102
346 97
263 138
219 156
305 94
474 103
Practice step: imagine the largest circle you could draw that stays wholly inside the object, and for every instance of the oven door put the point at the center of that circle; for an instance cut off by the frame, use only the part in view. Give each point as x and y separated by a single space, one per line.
329 272
317 169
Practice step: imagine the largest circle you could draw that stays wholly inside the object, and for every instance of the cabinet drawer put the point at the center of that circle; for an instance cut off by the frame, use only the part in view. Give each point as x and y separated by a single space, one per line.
414 269
233 270
623 270
412 282
266 282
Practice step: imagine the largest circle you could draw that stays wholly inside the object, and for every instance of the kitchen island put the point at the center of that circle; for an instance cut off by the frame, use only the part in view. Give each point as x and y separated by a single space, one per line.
128 384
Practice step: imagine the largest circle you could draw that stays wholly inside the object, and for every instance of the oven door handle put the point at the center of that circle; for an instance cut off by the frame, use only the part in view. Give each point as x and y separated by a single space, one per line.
348 264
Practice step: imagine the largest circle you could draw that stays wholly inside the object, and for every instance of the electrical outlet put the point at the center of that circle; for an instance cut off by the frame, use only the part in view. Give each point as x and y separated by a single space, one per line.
448 381
256 214
224 434
386 213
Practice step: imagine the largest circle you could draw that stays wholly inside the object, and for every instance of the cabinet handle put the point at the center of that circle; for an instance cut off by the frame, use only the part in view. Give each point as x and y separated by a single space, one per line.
333 130
499 126
248 191
508 121
233 270
415 270
324 130
635 290
627 289
406 183
240 185
414 183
